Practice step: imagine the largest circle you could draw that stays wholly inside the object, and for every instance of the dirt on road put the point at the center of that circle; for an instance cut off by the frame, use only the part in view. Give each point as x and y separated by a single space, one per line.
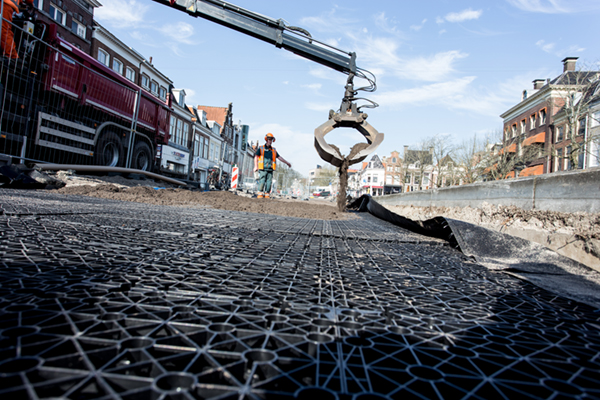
161 193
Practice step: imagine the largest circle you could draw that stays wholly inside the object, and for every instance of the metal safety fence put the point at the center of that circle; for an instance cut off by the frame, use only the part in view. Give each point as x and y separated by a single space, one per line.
58 105
96 302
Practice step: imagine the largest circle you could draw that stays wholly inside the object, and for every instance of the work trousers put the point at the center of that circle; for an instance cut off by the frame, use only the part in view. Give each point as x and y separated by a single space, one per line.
8 38
265 180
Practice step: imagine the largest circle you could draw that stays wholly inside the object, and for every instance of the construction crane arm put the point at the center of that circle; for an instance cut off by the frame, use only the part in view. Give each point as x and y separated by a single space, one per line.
300 42
275 32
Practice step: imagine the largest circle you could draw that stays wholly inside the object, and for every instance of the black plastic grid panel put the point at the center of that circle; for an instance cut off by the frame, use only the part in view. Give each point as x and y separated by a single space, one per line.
115 300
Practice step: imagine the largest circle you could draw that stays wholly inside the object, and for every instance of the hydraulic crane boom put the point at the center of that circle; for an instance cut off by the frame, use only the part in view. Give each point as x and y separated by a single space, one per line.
300 42
272 31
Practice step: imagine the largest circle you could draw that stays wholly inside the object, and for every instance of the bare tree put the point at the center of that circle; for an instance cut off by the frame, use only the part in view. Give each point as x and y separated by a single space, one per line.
441 150
471 155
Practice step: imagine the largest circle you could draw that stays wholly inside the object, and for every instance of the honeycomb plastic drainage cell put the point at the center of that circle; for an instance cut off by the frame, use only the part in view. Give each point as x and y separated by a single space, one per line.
300 309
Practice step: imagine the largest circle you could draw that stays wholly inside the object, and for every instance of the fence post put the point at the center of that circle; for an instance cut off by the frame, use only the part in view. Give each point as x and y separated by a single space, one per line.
132 133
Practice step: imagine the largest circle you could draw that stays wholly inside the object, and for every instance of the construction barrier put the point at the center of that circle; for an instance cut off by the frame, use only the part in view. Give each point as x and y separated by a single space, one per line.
234 178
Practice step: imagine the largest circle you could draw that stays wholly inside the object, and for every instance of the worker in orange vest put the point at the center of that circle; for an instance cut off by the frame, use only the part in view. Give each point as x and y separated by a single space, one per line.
265 162
8 39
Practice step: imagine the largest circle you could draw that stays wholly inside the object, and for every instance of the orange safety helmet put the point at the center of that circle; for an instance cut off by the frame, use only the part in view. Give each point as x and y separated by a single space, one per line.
270 136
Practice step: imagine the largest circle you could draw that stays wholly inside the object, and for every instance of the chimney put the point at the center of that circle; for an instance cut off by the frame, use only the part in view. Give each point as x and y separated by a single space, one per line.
538 83
569 63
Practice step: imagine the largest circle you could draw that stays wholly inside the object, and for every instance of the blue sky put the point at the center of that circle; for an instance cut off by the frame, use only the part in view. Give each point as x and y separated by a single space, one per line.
442 67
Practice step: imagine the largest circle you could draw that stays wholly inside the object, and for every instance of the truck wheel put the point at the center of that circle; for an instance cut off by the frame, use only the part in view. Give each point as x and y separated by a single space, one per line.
142 157
109 151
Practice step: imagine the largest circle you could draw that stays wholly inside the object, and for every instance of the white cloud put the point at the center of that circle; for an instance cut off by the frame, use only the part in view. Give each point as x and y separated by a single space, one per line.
434 93
464 15
563 52
180 32
190 96
142 37
121 13
383 23
418 27
547 47
320 107
434 68
541 6
327 74
461 94
313 86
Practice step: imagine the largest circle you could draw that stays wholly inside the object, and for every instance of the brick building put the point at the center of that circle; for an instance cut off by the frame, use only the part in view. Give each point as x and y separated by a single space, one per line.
73 18
538 124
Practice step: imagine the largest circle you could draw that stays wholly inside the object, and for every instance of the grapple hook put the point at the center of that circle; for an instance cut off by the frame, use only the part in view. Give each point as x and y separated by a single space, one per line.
347 119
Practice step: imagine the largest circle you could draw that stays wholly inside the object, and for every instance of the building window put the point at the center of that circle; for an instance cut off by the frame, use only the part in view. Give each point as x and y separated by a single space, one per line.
117 66
145 81
206 148
560 133
581 130
514 130
595 119
130 74
163 93
184 137
57 14
523 125
103 57
179 133
172 128
532 121
558 160
39 4
154 87
568 165
542 117
374 179
78 29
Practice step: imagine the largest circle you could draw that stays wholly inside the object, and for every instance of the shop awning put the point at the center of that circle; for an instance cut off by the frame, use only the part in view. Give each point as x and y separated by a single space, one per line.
531 171
510 149
489 169
538 138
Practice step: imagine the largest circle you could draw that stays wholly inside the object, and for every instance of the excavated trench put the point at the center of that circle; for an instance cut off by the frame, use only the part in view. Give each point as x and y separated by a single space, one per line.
117 300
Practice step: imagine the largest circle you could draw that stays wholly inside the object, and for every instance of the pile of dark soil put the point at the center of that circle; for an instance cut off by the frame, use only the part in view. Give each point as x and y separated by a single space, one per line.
215 199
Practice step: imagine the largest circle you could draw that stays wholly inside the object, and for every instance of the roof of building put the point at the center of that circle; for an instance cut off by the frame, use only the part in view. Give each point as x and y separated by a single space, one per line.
575 78
217 114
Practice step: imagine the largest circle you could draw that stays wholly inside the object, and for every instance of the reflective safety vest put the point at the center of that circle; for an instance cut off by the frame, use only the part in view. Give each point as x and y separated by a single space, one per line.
14 4
261 158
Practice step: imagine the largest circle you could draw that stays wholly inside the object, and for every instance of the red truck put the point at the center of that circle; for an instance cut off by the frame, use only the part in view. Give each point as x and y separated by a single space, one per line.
60 105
